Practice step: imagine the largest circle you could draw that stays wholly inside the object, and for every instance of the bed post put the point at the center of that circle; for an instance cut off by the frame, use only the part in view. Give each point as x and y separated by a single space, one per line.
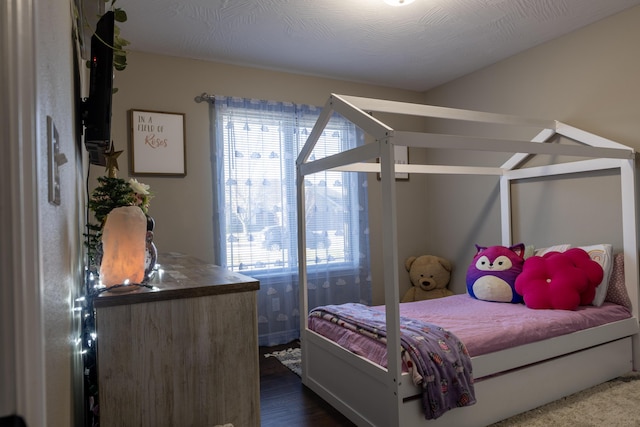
391 275
505 186
630 243
505 210
305 152
302 266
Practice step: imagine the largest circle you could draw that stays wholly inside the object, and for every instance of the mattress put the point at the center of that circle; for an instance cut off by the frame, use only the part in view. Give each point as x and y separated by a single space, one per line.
483 326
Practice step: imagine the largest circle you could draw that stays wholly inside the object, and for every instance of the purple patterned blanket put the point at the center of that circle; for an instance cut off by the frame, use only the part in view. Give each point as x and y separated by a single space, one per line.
441 363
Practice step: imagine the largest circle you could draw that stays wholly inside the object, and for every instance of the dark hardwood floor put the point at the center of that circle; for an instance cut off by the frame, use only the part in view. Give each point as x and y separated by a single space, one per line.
285 402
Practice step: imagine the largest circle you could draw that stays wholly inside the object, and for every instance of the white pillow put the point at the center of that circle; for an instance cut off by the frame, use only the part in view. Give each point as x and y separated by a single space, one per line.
555 248
603 255
529 250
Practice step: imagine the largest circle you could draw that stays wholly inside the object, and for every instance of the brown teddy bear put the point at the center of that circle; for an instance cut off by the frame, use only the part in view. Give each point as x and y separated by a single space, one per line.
429 276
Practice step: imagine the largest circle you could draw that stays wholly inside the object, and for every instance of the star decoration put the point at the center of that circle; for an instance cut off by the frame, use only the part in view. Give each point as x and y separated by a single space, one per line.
112 161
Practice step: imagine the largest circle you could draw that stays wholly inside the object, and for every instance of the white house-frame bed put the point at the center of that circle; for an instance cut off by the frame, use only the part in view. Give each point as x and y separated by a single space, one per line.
509 381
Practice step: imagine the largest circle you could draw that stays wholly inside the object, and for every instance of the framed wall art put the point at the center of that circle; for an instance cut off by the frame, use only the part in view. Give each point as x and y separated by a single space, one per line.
401 154
157 143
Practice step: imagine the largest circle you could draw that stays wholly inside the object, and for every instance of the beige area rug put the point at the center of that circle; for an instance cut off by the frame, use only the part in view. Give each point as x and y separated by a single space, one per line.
615 403
291 358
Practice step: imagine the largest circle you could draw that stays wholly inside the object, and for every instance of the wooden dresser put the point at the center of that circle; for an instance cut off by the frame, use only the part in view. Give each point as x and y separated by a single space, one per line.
182 354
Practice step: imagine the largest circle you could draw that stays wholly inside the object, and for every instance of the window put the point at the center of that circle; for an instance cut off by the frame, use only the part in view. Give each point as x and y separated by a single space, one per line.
255 148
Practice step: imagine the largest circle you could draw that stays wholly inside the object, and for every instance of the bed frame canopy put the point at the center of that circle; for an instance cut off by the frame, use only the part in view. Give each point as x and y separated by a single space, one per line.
586 152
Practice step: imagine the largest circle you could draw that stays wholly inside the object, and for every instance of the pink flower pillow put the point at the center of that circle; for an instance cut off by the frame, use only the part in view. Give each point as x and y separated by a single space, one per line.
559 280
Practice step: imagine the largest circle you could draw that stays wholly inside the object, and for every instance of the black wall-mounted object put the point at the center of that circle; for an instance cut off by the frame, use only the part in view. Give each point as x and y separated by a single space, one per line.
12 421
96 109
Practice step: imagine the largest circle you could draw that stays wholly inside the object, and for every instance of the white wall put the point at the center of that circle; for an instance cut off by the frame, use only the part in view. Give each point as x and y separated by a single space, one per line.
182 206
588 79
60 227
20 335
43 265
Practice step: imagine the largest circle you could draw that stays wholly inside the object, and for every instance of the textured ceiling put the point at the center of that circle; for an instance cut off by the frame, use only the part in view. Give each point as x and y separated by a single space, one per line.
416 47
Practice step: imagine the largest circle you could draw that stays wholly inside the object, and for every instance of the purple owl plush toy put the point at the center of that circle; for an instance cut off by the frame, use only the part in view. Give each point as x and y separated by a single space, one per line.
493 271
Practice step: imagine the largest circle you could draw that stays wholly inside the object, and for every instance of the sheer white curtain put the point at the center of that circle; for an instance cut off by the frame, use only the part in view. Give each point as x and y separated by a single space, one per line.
254 145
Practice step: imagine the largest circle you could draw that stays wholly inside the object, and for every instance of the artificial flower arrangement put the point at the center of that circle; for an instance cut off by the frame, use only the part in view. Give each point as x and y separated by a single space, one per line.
113 192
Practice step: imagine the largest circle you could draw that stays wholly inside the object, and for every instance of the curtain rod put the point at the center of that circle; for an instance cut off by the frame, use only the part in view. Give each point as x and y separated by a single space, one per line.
204 96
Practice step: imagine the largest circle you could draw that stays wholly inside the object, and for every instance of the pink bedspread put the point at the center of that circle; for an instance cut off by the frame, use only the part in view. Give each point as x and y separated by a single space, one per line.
483 326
